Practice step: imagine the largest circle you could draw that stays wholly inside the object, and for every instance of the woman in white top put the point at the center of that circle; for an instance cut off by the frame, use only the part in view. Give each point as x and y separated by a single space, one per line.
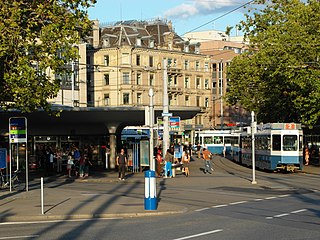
185 162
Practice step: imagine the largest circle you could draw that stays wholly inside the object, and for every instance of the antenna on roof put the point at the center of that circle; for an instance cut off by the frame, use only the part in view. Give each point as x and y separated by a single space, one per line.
121 12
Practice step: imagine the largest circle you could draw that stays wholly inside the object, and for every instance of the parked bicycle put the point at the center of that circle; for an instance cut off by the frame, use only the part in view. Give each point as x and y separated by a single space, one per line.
15 182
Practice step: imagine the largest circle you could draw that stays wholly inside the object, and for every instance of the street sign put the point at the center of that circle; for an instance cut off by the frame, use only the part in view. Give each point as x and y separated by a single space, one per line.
166 114
175 123
18 129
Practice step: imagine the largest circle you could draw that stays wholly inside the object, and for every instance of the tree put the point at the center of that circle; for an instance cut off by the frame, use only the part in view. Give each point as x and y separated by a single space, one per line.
37 39
278 77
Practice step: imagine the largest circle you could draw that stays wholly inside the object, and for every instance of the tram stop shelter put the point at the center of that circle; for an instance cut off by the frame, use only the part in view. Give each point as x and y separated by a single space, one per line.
89 121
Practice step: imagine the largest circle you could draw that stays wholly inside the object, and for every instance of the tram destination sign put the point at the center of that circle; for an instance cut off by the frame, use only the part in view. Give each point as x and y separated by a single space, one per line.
18 129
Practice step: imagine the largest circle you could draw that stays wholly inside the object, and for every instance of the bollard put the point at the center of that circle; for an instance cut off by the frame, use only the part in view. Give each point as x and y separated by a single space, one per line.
150 191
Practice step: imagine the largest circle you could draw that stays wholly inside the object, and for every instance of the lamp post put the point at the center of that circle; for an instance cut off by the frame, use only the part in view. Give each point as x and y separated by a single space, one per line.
253 130
221 91
165 111
151 123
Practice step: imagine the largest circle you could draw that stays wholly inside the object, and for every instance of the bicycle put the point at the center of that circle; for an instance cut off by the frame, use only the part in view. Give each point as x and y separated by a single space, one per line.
15 182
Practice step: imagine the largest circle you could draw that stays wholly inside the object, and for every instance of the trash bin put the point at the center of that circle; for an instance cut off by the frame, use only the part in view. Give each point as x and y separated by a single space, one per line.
150 191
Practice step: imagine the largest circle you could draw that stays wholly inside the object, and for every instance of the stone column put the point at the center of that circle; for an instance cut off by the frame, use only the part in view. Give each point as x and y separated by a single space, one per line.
113 146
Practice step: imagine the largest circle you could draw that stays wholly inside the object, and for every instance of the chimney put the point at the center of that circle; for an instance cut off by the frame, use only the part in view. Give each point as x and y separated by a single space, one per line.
96 33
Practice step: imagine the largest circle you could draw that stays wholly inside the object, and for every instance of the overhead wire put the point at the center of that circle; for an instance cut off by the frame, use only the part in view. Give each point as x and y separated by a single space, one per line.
221 16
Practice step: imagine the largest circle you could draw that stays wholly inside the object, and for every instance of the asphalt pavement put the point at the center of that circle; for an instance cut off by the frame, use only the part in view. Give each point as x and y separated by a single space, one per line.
65 204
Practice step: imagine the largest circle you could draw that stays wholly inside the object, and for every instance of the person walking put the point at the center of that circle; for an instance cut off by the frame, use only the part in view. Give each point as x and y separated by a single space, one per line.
199 150
122 162
306 155
206 156
87 164
185 163
168 164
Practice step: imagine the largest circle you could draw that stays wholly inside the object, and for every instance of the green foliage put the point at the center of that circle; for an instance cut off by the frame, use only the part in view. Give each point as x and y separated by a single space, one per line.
278 77
37 39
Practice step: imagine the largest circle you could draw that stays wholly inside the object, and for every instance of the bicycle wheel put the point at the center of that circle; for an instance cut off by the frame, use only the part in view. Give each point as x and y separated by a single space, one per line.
17 184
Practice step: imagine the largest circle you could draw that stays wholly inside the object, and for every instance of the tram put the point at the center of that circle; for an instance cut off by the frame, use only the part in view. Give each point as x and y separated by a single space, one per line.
216 140
278 146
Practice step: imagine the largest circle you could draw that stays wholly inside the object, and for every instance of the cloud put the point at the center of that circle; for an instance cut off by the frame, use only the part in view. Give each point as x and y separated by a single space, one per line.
201 7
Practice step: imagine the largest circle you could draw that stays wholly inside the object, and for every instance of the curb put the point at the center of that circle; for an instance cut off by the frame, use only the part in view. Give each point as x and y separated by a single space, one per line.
11 219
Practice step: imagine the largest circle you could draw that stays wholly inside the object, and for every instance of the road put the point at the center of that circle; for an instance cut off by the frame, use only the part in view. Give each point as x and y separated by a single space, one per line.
224 205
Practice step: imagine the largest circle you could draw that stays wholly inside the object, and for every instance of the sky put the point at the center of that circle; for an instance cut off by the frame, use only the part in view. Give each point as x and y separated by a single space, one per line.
186 15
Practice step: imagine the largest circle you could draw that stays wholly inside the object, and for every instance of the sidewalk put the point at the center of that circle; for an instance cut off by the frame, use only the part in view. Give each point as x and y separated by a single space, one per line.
62 204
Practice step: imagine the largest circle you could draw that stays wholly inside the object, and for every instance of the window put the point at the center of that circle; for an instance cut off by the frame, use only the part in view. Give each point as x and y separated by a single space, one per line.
170 81
276 142
126 98
151 79
125 58
198 101
169 62
150 61
106 79
186 82
206 67
186 64
138 78
106 60
197 65
198 85
290 143
106 99
186 99
206 102
214 71
139 98
206 84
125 78
138 60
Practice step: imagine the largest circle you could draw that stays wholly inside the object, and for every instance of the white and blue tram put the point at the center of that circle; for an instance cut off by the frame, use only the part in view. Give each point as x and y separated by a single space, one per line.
216 140
278 146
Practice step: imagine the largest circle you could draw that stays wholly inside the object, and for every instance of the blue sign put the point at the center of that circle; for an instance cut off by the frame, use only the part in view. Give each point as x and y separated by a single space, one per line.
18 129
3 158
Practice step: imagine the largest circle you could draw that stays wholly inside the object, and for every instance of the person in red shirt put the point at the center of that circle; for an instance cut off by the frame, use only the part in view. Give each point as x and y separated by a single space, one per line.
206 156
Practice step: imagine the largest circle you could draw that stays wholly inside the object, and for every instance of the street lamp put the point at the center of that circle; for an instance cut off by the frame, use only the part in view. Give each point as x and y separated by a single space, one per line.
151 122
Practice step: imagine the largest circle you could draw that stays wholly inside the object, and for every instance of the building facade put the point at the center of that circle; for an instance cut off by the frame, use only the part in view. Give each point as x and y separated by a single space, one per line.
121 61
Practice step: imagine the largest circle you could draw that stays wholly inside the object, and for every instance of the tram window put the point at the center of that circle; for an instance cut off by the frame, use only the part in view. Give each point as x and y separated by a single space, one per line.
290 143
217 140
228 140
276 142
207 140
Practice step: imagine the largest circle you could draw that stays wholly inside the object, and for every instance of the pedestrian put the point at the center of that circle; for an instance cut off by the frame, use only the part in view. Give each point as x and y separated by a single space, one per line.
199 150
206 156
59 160
190 149
159 162
82 166
122 162
168 164
185 163
69 164
87 164
306 155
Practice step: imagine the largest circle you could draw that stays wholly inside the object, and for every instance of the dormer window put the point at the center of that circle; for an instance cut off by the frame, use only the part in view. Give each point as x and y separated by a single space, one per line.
138 41
105 43
151 43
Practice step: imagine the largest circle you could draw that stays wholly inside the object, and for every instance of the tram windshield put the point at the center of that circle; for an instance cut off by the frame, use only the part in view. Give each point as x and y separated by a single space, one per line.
290 143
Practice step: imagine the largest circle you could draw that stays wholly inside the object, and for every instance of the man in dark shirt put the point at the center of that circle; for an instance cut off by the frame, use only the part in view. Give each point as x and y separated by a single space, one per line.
122 162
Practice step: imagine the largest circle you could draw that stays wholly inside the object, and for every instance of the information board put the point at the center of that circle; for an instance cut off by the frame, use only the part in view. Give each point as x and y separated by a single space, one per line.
3 157
18 129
